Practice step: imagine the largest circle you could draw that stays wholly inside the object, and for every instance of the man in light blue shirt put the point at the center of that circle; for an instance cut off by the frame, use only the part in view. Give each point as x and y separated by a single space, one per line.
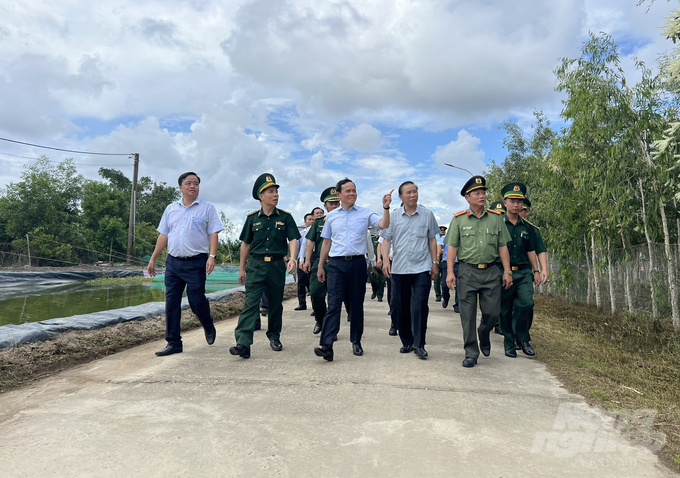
189 229
412 233
345 243
302 276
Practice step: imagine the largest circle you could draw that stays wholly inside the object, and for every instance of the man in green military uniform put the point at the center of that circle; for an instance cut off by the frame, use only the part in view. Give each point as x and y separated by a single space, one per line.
375 272
268 235
318 290
517 302
478 237
438 281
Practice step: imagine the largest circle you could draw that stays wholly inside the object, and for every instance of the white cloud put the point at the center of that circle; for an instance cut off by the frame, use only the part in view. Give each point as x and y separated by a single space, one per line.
364 138
464 153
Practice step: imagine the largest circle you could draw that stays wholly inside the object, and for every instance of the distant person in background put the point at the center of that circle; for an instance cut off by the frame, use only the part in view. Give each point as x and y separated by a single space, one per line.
438 291
189 229
303 277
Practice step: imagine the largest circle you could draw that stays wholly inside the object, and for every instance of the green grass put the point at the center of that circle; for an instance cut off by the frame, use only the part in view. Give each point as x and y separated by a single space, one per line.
120 280
622 362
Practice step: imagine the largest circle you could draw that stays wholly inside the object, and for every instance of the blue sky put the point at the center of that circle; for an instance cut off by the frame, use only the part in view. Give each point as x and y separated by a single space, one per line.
308 90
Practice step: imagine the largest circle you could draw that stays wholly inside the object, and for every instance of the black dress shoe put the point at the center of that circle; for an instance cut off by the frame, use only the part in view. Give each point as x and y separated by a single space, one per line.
301 307
264 311
511 353
258 324
393 331
456 309
210 336
469 362
276 345
325 351
356 349
240 350
317 328
485 347
445 303
527 349
169 350
312 314
406 349
438 299
420 352
373 295
379 299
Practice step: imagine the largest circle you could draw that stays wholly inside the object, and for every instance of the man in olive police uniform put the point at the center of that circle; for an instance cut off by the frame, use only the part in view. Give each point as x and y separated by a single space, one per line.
478 237
517 302
268 235
318 290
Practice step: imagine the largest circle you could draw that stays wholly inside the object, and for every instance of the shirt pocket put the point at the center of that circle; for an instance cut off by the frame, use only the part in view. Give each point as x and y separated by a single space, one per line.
467 237
198 223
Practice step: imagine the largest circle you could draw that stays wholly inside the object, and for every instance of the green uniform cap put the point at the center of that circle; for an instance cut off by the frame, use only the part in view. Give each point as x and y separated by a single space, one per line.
526 204
497 206
329 194
263 182
475 182
514 190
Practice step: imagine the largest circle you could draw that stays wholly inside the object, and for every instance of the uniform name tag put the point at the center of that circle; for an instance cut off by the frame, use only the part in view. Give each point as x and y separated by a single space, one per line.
467 228
279 223
257 224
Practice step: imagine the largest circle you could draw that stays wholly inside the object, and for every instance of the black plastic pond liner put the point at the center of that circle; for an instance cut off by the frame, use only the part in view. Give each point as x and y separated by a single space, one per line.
23 279
11 335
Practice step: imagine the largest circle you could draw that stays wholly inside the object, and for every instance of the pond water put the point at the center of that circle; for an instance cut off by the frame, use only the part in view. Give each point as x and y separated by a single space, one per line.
76 298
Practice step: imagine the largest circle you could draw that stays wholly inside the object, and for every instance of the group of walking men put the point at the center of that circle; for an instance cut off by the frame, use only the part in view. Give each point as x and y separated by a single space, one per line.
490 255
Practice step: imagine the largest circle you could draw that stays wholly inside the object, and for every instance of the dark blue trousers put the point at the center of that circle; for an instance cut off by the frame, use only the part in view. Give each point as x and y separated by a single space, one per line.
345 279
181 273
410 306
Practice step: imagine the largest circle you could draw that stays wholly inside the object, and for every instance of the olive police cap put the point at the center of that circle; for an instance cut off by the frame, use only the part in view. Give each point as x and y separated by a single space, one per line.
263 182
475 182
329 194
443 228
514 190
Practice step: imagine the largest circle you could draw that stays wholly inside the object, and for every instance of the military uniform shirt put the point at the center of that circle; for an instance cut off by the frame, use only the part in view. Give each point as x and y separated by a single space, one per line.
314 235
269 234
477 238
522 240
540 245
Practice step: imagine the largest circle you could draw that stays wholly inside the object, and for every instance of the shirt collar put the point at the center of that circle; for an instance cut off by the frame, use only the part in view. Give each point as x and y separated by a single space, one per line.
417 211
181 203
274 213
472 214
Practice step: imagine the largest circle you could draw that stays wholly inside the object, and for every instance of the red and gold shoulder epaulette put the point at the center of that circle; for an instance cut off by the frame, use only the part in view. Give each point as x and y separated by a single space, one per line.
459 213
494 211
254 212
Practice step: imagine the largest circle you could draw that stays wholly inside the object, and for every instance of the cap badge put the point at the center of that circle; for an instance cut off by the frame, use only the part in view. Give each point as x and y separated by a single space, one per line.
516 188
478 180
268 178
333 191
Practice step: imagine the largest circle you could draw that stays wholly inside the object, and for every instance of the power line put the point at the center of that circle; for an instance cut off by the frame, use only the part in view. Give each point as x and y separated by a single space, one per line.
112 253
65 150
43 258
50 161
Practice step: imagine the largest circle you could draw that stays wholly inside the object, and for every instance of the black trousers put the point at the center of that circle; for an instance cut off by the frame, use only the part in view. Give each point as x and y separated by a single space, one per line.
303 286
181 273
345 279
410 306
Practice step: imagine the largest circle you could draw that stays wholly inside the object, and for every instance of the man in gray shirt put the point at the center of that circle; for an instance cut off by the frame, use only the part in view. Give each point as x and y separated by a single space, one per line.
412 232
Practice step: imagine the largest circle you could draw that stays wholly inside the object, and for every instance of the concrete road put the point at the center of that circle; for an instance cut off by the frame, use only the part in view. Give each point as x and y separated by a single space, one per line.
204 413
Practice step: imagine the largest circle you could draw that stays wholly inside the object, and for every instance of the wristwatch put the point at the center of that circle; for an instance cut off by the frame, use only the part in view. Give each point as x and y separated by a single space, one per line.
535 271
507 272
213 256
435 262
386 208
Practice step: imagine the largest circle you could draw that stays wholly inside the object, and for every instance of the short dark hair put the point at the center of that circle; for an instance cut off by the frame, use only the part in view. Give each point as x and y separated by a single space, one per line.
307 215
406 183
317 207
341 183
184 176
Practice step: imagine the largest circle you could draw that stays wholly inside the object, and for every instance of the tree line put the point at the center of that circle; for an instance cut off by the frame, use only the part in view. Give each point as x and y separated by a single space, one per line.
608 179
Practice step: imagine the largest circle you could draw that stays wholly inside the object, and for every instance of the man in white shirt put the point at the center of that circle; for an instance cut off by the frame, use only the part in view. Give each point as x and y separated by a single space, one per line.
189 230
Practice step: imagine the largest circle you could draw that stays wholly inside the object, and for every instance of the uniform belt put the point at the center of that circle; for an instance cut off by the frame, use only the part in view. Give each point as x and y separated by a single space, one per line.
191 258
348 258
479 266
267 258
521 267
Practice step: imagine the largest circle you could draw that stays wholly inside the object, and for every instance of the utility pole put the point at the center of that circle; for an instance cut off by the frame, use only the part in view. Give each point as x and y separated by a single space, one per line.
28 246
133 200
